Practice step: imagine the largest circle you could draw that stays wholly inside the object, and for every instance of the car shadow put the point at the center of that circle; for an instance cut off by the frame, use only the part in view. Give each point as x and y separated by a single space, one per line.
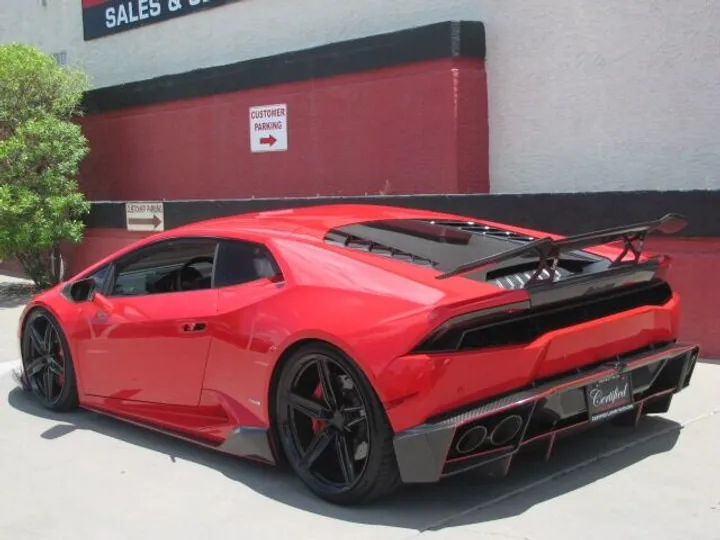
578 461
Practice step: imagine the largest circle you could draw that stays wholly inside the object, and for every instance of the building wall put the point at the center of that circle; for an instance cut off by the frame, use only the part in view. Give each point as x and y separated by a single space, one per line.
576 96
350 130
583 95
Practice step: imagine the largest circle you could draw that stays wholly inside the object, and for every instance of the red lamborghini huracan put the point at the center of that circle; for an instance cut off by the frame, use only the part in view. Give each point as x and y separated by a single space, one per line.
367 346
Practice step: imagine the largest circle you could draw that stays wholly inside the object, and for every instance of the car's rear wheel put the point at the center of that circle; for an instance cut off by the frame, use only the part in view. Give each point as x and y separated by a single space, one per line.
333 429
47 365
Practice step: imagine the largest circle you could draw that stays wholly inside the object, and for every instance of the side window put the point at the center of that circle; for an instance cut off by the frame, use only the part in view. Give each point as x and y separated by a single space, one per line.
175 266
241 262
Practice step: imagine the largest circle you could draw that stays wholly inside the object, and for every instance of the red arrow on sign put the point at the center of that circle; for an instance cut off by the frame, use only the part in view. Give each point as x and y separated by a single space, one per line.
268 140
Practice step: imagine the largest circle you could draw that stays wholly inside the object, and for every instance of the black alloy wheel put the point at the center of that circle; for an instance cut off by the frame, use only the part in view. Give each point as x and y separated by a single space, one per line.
333 429
47 366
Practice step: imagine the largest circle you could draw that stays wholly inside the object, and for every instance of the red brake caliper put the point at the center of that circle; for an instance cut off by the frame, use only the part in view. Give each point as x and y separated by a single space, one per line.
318 425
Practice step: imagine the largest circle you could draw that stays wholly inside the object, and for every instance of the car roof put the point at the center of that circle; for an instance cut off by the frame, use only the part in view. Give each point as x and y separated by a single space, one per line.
307 223
312 221
311 224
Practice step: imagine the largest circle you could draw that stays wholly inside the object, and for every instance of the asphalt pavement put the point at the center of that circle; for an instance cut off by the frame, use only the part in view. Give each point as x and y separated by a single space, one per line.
84 476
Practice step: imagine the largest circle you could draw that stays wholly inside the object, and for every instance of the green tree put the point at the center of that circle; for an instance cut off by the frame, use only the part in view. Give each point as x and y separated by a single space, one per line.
41 150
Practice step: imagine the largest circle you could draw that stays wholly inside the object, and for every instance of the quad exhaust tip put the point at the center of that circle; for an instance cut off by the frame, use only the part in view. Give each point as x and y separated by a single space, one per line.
471 439
506 430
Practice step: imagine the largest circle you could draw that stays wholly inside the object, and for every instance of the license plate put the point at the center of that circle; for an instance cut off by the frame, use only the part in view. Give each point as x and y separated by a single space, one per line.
608 397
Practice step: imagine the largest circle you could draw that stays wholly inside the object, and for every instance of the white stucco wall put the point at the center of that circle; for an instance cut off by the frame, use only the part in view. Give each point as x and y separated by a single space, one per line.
585 95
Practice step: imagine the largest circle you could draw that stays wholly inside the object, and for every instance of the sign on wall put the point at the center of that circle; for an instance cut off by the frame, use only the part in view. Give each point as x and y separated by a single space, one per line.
105 17
268 128
145 216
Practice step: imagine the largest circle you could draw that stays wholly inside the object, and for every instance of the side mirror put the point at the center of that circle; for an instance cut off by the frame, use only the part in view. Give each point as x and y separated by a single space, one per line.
82 290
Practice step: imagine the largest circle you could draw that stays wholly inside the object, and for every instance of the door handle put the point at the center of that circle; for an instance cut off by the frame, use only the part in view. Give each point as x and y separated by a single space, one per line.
193 327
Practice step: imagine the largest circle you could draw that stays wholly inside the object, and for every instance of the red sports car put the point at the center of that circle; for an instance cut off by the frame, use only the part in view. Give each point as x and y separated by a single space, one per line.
367 346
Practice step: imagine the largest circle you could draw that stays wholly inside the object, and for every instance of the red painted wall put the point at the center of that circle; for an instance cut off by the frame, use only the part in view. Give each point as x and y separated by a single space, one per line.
96 244
420 128
695 263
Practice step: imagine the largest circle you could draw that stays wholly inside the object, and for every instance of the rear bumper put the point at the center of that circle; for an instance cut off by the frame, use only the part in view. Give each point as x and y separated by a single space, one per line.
492 432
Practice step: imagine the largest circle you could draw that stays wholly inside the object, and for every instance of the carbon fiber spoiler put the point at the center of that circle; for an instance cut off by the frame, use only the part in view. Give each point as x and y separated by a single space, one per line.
547 248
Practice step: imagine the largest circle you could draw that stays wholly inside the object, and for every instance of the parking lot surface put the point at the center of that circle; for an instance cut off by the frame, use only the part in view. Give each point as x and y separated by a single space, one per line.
85 476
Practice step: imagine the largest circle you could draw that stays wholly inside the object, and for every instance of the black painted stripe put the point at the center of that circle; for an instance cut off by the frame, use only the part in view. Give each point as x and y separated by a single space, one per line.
561 213
453 39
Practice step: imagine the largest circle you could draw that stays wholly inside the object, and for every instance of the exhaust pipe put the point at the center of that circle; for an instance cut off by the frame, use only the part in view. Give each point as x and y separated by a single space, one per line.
506 430
471 439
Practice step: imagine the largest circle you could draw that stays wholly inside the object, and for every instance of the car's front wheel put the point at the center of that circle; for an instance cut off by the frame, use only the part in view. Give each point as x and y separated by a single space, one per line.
47 364
333 429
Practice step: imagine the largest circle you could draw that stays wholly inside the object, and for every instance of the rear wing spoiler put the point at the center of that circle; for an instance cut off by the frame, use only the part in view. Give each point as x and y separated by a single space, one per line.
548 249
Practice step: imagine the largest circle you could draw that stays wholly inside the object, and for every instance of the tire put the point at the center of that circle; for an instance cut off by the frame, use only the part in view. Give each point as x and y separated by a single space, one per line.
46 360
353 458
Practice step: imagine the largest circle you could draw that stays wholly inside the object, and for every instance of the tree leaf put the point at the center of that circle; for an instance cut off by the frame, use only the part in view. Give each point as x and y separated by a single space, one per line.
41 150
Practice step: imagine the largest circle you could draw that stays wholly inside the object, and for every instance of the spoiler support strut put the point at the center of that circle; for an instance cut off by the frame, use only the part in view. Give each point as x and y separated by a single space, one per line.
547 249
